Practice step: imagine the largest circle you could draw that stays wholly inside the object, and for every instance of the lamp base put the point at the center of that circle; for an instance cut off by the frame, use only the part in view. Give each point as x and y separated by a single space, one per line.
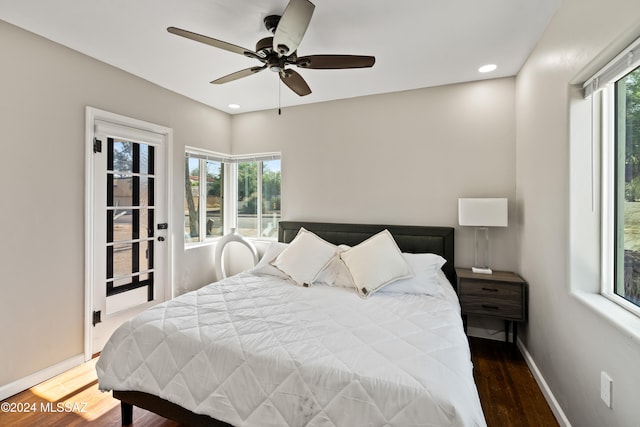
481 270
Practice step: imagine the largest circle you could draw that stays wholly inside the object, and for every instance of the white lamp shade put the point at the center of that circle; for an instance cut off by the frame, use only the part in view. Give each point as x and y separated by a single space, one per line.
483 212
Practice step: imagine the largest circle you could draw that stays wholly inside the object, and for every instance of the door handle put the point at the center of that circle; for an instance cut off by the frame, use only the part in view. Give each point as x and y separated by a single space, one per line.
160 239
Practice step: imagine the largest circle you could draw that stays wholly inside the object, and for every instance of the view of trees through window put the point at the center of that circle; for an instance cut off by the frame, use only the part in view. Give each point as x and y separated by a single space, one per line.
628 147
258 198
213 176
192 199
258 205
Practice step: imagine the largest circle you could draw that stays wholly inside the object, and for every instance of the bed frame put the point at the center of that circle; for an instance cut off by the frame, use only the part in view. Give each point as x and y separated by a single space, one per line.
413 239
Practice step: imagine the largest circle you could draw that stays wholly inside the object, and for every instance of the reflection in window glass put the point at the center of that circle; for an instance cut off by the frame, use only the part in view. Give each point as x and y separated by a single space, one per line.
627 248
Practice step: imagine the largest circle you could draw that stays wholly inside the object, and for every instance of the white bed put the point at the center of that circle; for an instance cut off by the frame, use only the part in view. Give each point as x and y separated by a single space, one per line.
257 350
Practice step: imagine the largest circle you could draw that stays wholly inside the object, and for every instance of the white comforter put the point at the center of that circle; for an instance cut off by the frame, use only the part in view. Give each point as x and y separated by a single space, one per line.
259 351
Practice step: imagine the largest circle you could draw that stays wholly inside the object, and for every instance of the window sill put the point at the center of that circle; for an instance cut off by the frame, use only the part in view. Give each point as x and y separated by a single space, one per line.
263 239
619 317
197 245
214 241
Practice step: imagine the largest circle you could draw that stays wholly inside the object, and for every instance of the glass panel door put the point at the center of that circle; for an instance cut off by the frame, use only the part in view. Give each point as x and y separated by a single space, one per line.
128 236
130 210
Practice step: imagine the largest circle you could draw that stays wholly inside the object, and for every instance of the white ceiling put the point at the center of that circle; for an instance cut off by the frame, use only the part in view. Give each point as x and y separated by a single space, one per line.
417 43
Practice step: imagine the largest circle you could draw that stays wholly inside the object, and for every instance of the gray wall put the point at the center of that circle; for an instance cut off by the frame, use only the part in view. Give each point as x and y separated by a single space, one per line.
400 158
44 89
571 340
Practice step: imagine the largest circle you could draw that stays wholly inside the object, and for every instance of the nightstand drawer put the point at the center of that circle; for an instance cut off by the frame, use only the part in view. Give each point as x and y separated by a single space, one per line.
504 300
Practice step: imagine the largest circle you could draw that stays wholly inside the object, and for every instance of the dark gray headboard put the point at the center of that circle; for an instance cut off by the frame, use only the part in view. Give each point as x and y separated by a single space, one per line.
410 238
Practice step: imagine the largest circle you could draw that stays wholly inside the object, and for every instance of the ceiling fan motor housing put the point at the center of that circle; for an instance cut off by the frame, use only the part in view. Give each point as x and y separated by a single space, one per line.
264 46
271 22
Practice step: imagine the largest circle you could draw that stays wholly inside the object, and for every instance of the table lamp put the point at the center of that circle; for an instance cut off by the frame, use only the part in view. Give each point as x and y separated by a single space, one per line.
482 214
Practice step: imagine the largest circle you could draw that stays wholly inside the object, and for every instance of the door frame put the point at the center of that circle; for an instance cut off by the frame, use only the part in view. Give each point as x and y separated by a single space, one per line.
91 116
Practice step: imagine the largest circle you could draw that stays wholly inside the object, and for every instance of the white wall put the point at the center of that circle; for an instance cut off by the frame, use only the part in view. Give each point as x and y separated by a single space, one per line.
570 341
400 158
44 89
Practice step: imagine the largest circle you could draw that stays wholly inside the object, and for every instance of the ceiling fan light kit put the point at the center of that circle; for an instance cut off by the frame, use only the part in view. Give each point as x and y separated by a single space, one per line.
280 51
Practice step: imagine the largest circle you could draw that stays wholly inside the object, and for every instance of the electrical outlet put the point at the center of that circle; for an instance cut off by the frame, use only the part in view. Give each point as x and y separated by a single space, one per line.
606 387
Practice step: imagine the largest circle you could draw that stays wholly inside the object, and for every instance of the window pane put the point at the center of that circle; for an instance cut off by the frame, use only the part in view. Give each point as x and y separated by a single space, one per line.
122 190
248 199
270 197
191 199
628 187
214 199
144 191
123 156
146 159
122 259
122 225
144 252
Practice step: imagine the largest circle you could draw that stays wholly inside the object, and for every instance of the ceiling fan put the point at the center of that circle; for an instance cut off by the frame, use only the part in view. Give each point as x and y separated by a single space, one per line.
280 51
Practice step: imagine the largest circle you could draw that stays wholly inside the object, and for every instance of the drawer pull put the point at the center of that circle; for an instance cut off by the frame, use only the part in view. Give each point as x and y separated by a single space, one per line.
490 289
490 307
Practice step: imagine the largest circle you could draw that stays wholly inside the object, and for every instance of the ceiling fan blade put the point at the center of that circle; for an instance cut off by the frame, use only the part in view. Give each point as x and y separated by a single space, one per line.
335 62
210 41
292 26
295 82
238 75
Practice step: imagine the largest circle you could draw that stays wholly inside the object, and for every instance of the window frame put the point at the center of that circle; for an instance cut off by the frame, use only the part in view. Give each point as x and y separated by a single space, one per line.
229 192
203 162
260 194
604 100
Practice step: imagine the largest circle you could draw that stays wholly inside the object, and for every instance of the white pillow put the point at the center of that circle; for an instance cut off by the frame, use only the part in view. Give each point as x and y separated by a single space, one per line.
375 263
264 267
273 250
336 273
305 257
425 282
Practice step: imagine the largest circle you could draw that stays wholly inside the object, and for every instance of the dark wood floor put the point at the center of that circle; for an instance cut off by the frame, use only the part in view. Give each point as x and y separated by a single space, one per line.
508 392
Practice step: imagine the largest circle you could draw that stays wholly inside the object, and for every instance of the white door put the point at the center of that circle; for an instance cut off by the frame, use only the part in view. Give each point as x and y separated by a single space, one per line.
130 238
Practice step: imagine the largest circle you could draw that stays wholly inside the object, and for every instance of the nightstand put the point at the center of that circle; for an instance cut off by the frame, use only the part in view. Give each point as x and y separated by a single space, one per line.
501 295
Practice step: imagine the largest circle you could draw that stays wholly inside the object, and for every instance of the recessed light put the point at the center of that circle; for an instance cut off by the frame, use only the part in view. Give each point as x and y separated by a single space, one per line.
487 68
234 106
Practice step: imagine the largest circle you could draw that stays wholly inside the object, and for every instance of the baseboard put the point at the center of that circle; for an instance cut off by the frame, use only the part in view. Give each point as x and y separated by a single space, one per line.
544 387
25 383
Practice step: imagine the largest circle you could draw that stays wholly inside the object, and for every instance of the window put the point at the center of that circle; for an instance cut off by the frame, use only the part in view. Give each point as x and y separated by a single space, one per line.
204 183
627 187
615 92
258 198
253 183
